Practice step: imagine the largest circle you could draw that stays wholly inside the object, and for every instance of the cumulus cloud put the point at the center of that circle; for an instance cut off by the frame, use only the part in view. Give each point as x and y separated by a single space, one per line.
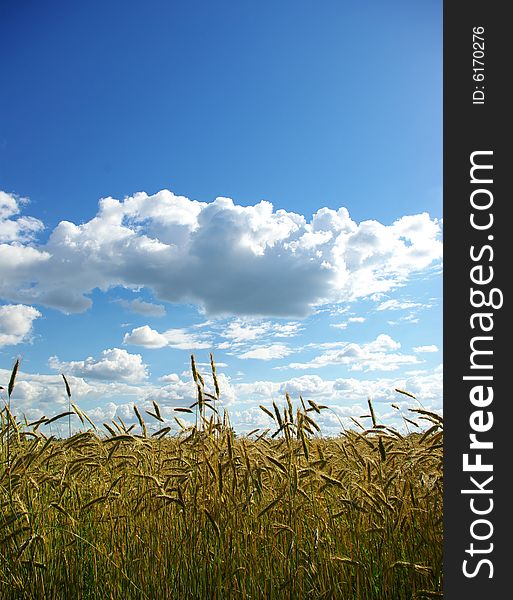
114 364
226 258
307 386
14 228
427 386
175 338
181 391
145 336
16 323
377 355
38 395
346 398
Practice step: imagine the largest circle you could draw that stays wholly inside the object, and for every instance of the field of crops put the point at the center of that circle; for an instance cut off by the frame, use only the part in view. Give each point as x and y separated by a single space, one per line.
206 514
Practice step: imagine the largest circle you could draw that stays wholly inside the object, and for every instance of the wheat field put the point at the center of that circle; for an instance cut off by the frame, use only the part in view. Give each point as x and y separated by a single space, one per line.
207 514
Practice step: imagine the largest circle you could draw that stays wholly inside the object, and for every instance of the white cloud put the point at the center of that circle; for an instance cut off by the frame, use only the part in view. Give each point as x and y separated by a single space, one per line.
184 340
240 331
204 324
356 320
267 352
114 364
146 337
431 348
427 387
35 395
14 228
290 329
181 391
175 338
378 355
170 378
346 398
144 308
228 259
409 318
16 323
344 324
307 386
38 395
206 365
395 304
256 390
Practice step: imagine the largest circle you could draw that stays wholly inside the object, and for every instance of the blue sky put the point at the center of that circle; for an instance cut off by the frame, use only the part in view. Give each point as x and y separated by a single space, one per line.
271 183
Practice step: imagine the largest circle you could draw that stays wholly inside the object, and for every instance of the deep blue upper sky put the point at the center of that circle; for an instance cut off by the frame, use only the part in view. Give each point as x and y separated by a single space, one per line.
300 103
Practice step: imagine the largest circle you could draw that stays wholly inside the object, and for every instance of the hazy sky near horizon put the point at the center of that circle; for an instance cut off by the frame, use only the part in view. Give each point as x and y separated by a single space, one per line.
258 180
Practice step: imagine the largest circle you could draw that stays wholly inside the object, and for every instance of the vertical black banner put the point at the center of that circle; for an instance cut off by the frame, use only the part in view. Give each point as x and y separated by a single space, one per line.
478 368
